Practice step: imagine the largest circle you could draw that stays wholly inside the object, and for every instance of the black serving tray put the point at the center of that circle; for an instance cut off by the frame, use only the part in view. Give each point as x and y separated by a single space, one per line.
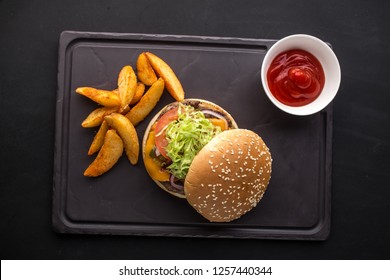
226 71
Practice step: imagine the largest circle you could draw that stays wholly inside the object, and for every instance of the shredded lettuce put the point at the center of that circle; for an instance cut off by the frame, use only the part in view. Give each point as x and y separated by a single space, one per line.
186 137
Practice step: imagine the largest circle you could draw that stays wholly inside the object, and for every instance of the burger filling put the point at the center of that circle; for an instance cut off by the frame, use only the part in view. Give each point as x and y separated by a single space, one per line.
186 137
178 135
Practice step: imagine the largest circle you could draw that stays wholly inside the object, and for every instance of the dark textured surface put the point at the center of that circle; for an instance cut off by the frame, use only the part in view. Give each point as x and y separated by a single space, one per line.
358 32
221 70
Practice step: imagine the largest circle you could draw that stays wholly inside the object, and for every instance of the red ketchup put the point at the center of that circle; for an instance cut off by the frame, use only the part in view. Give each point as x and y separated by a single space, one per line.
295 78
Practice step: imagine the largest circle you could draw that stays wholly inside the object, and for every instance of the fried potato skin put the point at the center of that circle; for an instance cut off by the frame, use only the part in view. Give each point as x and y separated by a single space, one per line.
140 90
98 140
108 155
127 84
103 97
127 132
164 71
145 71
96 117
139 112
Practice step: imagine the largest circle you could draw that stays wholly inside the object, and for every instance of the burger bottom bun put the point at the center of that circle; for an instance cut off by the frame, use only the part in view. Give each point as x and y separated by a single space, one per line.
229 175
197 103
166 187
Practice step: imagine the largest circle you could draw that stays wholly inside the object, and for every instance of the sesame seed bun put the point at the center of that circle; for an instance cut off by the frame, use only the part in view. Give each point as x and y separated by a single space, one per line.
229 176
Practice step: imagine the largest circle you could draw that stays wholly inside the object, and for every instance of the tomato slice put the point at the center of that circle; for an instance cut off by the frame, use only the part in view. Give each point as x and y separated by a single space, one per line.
161 140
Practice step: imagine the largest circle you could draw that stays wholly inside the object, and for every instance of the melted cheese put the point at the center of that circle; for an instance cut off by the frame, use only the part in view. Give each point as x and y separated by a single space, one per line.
152 166
219 122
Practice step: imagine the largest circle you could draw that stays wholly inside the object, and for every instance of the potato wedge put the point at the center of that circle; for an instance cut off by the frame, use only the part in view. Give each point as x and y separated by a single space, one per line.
138 93
127 132
96 117
127 84
164 71
124 110
103 97
139 112
98 140
108 155
145 71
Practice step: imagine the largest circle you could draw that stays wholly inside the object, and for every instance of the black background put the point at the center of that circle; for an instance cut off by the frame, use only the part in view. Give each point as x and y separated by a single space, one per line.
359 34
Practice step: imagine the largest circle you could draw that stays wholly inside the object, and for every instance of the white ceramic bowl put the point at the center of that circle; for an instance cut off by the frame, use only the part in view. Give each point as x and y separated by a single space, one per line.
326 57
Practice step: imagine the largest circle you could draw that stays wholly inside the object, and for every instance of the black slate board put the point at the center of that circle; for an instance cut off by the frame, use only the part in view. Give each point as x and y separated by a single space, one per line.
226 71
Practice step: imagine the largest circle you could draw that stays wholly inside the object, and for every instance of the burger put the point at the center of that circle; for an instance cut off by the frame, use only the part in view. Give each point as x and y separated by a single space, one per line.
194 150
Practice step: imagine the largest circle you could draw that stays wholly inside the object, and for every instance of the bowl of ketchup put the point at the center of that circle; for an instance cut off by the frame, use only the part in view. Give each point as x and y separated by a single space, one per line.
300 74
